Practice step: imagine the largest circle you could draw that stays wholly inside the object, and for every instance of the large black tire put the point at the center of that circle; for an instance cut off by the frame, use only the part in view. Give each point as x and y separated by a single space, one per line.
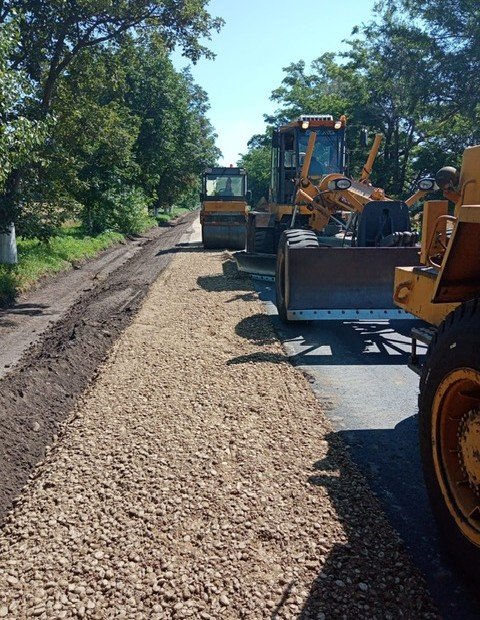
295 239
449 417
259 240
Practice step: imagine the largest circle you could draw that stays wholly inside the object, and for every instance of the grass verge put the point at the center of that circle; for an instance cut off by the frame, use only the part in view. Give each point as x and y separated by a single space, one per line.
164 218
36 258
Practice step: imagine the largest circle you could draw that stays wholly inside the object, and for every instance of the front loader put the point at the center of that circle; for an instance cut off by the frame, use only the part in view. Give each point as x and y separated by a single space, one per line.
444 291
224 211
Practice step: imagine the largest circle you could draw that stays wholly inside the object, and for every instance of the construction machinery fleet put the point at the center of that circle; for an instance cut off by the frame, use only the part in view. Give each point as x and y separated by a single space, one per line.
444 291
224 210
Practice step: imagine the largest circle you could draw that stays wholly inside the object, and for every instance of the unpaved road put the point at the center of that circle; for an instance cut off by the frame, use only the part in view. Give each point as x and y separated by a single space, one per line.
199 477
57 368
24 322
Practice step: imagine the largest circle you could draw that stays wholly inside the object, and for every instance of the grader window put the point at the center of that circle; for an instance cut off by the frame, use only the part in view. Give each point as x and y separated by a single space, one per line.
327 155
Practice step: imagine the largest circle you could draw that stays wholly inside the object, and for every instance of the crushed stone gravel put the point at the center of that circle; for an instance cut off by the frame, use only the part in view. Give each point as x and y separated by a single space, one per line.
199 478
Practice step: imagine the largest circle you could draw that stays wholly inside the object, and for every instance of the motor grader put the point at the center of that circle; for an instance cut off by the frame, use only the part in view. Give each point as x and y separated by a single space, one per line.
348 275
289 147
444 291
223 215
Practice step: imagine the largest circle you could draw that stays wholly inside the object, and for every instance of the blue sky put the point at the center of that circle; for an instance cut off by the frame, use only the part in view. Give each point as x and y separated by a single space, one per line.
259 38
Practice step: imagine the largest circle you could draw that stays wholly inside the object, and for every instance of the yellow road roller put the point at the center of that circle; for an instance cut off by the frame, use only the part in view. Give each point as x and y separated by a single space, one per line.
224 208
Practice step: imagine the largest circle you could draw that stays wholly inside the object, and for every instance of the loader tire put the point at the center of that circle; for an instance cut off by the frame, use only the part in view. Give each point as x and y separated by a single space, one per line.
294 239
449 434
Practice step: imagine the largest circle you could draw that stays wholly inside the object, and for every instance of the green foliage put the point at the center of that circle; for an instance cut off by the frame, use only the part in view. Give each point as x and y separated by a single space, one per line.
163 219
124 211
257 164
19 135
411 75
175 140
96 121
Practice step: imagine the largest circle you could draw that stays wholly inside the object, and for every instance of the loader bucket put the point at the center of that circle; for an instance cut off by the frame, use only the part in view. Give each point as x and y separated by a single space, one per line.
256 264
346 283
223 230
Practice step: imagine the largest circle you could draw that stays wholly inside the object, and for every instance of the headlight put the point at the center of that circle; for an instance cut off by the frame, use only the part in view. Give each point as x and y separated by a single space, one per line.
426 185
339 184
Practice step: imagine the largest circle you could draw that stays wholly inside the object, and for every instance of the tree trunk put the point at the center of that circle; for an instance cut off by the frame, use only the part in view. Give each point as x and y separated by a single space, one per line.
8 247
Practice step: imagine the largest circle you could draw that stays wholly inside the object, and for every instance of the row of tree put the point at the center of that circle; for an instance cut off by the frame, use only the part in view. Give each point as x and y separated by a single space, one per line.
95 123
413 75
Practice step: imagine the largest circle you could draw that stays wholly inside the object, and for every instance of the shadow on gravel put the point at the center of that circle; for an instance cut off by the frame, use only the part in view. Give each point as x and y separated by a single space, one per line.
368 561
229 280
389 460
258 358
256 328
194 246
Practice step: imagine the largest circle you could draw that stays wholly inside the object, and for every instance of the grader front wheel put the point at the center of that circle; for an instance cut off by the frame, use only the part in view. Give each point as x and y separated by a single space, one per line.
449 425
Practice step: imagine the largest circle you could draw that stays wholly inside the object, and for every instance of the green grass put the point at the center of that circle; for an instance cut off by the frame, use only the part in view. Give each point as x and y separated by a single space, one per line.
36 259
164 218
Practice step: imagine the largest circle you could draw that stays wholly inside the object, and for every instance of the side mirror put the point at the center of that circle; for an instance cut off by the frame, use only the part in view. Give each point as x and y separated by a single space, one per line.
248 195
339 184
275 139
202 196
363 138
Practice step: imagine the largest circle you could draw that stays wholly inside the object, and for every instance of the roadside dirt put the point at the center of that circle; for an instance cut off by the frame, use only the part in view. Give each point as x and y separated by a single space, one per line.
197 477
57 368
23 322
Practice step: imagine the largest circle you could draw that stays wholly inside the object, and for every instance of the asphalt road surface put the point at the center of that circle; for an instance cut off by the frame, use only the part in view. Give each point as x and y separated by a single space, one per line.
358 369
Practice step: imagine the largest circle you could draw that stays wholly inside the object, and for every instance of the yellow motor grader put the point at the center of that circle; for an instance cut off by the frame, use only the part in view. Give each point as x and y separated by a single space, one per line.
348 275
444 291
289 147
223 215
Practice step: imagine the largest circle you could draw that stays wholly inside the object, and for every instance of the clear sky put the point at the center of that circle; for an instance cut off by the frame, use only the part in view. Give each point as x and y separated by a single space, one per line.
259 38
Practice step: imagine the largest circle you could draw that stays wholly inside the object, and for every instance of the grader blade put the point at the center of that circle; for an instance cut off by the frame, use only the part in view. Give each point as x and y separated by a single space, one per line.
223 231
343 283
256 264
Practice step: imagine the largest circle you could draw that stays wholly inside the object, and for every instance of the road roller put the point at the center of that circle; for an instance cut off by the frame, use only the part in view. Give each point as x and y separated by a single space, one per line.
224 211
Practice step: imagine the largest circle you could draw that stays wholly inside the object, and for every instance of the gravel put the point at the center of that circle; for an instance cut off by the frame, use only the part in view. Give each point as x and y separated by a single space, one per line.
199 478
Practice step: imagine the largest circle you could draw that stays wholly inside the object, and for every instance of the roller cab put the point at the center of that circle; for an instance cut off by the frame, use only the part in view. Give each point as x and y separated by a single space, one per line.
223 216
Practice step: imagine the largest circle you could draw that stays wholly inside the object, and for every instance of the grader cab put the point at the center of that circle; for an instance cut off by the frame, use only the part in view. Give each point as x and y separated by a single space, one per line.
223 216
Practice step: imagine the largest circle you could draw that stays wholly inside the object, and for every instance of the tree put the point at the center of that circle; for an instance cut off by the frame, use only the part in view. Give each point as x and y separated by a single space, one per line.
257 164
176 141
19 136
54 33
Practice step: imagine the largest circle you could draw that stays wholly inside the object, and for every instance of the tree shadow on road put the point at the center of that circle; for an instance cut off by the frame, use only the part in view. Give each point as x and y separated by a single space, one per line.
21 310
193 246
371 560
